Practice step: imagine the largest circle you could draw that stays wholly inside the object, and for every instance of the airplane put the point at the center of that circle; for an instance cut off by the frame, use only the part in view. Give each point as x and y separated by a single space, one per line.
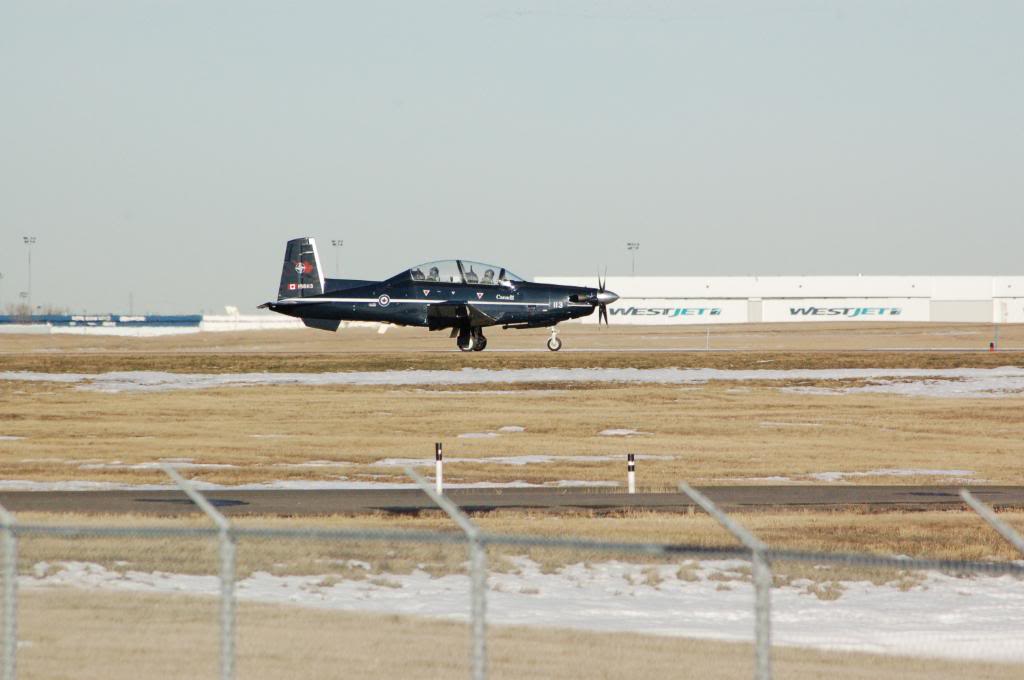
461 295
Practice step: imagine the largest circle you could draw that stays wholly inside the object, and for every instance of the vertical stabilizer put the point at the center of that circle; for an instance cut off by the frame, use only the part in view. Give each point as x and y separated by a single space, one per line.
302 275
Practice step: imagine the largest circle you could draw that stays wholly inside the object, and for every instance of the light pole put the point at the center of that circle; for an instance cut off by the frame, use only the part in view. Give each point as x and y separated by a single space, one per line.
29 241
337 243
632 247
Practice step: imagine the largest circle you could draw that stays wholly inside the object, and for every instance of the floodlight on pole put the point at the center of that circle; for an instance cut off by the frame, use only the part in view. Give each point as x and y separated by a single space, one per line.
632 247
337 243
29 241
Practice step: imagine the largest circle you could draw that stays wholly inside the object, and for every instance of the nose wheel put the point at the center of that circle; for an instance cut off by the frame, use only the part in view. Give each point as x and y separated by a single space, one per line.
554 344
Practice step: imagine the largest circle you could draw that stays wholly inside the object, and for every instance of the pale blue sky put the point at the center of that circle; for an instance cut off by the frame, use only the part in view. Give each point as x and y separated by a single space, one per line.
169 148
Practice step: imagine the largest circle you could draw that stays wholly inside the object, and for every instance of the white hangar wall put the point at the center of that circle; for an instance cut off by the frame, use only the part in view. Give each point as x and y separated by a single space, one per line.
683 300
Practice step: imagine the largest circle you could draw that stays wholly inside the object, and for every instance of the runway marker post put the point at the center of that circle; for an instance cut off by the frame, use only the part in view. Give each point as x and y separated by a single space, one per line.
438 468
631 472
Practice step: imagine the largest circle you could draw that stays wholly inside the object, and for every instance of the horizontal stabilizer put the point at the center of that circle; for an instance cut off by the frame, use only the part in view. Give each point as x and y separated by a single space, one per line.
322 324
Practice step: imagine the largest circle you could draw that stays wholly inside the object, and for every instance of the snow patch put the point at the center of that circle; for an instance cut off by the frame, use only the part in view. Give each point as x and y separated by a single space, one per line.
180 464
621 433
980 618
773 423
296 484
890 472
956 382
534 459
478 435
9 438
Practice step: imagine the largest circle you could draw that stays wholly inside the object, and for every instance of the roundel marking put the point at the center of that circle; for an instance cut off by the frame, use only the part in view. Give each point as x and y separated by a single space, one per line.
384 300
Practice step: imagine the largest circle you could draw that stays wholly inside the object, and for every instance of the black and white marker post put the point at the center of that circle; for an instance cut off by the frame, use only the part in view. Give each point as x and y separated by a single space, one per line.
631 472
438 468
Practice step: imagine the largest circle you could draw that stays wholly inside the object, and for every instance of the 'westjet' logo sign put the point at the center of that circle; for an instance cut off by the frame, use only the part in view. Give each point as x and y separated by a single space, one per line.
665 311
845 311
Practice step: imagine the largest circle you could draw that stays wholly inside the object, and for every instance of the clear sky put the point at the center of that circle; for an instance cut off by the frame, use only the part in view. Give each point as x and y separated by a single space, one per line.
169 148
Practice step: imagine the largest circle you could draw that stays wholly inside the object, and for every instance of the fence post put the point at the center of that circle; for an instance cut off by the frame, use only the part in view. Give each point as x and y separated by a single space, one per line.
10 542
227 572
478 574
762 574
439 467
631 472
989 515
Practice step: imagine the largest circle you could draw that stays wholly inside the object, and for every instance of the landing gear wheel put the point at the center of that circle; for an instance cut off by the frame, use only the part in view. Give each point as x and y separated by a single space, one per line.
480 344
467 343
554 344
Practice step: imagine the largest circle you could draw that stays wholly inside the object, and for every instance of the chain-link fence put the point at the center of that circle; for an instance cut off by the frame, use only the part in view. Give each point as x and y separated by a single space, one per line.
558 607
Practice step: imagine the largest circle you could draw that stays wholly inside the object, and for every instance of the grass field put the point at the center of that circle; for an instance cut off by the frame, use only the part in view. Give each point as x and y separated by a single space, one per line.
714 433
708 434
936 534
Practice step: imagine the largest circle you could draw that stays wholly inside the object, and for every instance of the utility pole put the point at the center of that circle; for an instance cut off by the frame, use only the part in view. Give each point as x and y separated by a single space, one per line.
632 247
29 241
337 243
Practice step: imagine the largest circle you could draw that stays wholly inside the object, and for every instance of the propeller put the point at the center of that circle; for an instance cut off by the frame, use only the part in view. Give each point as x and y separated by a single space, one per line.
600 300
604 298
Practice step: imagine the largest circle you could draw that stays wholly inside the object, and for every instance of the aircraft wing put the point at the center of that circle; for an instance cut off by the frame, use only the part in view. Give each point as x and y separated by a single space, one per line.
445 314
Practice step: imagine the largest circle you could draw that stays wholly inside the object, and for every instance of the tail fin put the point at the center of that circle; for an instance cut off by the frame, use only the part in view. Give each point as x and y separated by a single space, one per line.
302 275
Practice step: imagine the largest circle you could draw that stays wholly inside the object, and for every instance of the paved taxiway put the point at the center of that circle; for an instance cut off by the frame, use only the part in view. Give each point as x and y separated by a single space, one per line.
326 502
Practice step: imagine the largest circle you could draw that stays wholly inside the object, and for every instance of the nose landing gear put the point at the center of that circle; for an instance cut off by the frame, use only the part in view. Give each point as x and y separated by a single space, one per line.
554 344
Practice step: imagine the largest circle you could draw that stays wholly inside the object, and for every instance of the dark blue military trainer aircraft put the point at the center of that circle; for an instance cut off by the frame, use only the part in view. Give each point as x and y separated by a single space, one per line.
457 294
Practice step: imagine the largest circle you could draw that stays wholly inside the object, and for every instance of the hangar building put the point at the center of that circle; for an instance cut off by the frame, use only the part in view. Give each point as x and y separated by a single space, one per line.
668 300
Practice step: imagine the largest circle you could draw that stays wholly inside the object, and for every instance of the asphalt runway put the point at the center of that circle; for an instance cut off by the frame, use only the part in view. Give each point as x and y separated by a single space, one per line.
411 501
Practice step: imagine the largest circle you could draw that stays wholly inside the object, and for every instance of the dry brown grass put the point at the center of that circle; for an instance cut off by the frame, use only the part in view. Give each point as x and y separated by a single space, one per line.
90 635
715 433
946 535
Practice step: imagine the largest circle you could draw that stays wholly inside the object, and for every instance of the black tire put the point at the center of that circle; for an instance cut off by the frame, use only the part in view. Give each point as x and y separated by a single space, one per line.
554 344
465 343
481 344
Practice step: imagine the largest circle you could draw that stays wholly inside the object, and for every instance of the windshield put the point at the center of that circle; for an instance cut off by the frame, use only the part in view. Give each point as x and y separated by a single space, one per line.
462 271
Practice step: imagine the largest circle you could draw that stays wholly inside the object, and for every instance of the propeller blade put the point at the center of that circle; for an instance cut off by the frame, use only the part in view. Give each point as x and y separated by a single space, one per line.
602 313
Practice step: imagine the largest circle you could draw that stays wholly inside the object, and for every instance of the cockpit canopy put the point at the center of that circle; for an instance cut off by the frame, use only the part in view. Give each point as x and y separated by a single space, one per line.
462 271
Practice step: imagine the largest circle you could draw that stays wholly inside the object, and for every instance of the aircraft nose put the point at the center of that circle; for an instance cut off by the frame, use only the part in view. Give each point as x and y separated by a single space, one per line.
606 297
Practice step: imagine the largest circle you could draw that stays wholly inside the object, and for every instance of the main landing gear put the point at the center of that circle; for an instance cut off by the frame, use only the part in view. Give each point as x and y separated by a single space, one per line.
554 344
471 340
